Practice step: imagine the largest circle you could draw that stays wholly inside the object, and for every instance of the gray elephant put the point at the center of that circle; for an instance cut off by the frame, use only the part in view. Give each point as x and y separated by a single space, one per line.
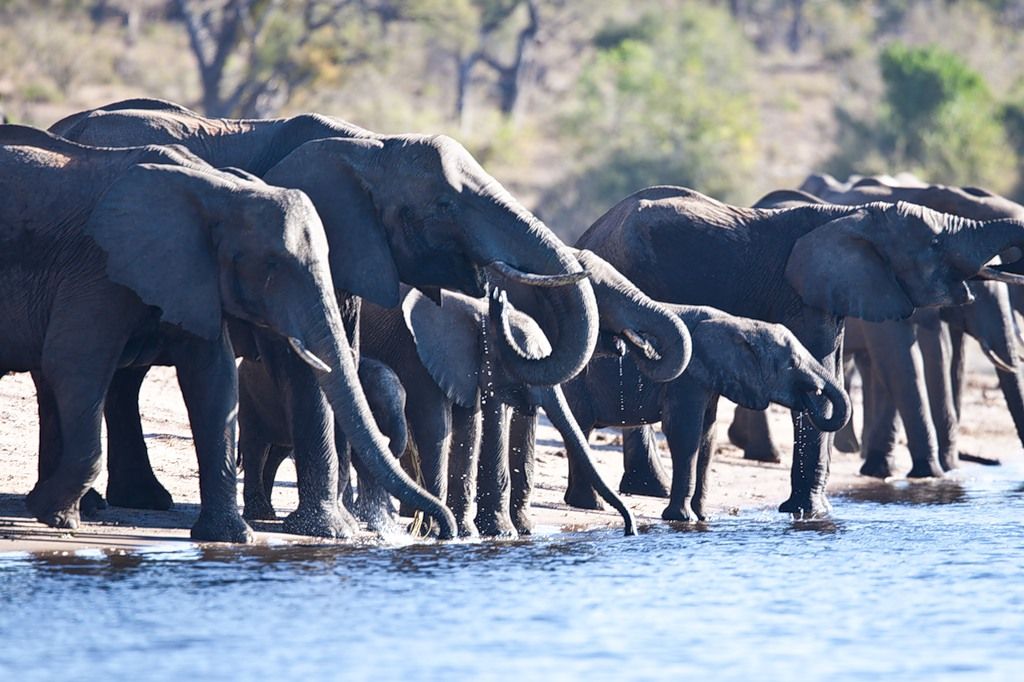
913 366
115 256
783 266
455 342
396 208
750 362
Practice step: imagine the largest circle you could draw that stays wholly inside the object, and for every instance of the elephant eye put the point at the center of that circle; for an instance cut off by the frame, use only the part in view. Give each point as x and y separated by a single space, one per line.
446 205
935 242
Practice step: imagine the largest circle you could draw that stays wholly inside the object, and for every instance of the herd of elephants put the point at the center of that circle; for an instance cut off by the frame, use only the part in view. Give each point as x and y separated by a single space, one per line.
398 313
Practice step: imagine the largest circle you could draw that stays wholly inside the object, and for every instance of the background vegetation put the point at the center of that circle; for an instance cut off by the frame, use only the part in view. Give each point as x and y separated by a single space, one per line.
571 103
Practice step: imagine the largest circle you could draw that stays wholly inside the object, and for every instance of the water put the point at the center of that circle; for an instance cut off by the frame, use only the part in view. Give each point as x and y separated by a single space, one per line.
907 582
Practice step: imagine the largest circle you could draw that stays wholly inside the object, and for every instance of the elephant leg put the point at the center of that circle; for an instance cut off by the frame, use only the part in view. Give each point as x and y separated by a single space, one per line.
879 435
578 491
749 430
77 364
462 468
346 490
956 337
522 439
704 455
50 443
493 516
683 425
936 353
275 458
208 379
130 478
255 492
846 437
812 451
373 504
643 472
316 460
898 364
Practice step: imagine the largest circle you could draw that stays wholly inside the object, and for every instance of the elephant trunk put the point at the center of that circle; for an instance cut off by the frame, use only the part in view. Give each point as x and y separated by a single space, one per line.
326 341
659 338
573 308
833 394
972 244
557 408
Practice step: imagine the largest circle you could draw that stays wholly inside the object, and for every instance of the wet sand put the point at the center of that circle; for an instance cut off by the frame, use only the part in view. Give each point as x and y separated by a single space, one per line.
736 484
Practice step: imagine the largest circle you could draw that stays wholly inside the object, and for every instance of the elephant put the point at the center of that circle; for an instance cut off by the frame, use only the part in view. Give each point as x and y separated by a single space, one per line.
913 366
113 257
750 362
782 266
415 209
385 395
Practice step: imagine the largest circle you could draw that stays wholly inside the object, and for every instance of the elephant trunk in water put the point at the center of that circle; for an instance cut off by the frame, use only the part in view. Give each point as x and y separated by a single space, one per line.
815 402
557 408
326 345
572 302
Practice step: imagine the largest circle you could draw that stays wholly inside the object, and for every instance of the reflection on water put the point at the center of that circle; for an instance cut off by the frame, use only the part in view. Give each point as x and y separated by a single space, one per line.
905 581
925 491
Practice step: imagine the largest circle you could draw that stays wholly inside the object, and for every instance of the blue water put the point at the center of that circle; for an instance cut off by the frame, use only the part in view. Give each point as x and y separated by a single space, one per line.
906 582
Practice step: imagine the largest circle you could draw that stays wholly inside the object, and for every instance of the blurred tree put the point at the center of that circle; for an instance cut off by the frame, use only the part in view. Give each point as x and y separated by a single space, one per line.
665 100
938 119
253 54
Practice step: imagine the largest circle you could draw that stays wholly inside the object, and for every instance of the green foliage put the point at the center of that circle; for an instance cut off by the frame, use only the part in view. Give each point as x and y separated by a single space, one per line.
664 100
938 119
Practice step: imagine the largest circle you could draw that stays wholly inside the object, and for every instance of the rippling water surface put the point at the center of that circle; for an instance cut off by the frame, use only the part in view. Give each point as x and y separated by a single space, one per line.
909 581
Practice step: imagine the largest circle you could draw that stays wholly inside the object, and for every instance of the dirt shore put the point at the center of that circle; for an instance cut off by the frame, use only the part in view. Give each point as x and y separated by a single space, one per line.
736 485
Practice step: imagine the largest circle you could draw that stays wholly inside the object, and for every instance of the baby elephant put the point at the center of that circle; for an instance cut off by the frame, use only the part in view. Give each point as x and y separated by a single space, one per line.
750 362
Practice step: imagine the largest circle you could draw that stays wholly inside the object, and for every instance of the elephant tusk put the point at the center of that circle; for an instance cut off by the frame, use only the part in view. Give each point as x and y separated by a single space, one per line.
996 360
997 275
308 357
517 275
643 344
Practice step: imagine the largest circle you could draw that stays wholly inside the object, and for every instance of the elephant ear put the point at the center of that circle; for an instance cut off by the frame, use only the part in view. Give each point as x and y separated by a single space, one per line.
726 360
153 223
360 257
837 268
447 342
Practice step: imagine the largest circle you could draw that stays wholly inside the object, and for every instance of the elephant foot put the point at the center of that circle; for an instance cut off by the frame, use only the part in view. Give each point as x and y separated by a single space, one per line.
322 521
762 453
647 483
222 526
91 502
949 461
143 493
877 466
467 528
495 524
258 508
680 512
43 505
927 469
377 513
846 440
582 496
522 521
807 505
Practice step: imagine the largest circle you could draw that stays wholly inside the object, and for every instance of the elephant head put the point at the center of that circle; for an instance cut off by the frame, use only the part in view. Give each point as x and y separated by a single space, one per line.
880 261
421 210
754 363
204 244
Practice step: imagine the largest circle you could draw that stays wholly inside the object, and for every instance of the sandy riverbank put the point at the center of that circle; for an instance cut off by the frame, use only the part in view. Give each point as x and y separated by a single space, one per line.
736 484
